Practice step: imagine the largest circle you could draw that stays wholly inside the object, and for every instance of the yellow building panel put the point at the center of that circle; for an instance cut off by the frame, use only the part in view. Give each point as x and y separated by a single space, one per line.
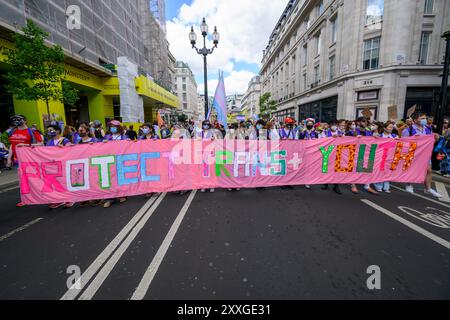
150 89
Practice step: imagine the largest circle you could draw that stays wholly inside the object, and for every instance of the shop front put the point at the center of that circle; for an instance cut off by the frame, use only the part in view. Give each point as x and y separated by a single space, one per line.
324 110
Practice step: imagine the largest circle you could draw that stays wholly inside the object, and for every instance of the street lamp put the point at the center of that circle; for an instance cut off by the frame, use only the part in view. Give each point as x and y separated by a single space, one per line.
205 52
443 97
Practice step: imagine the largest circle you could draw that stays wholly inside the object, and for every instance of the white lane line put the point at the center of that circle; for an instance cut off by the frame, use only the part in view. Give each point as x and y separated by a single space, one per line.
416 228
146 281
423 197
73 292
440 187
93 287
29 224
9 189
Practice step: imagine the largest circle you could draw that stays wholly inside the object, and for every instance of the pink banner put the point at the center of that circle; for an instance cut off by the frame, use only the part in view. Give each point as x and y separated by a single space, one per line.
118 169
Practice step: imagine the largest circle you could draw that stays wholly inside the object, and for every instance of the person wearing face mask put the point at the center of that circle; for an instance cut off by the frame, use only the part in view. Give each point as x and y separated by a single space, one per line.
259 132
387 132
116 134
309 133
361 129
56 140
85 135
148 133
333 132
54 137
21 136
420 128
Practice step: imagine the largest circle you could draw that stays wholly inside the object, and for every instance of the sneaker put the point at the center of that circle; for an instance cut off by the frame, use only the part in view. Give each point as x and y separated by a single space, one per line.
123 200
387 191
203 190
433 193
212 190
308 187
337 189
56 206
107 204
238 189
379 190
409 189
69 205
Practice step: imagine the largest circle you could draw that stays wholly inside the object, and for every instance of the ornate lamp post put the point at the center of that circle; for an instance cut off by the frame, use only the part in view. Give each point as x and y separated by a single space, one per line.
205 52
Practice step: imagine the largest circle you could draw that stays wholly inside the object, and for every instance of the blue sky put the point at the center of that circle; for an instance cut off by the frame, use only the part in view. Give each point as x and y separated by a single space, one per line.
244 28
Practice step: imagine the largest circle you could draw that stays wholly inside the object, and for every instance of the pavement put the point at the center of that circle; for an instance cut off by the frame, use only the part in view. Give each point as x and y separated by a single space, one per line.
249 245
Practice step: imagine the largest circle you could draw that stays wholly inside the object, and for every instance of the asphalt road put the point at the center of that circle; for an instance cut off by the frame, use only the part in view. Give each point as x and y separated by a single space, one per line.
271 244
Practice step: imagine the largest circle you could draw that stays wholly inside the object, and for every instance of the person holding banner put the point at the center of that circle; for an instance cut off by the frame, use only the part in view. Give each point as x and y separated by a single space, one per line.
148 133
420 128
56 140
309 134
208 133
387 133
117 133
289 132
360 129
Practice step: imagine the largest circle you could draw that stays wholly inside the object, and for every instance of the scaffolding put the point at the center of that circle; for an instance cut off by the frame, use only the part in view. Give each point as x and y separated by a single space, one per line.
158 10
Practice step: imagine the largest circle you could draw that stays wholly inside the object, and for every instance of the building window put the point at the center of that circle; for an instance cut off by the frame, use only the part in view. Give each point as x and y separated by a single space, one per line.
307 23
318 44
334 30
185 106
332 67
316 75
429 6
184 97
184 87
305 55
371 54
374 12
184 79
305 81
424 47
320 7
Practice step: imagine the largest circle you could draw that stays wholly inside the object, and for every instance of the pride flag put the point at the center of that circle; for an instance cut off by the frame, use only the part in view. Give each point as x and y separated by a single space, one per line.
220 102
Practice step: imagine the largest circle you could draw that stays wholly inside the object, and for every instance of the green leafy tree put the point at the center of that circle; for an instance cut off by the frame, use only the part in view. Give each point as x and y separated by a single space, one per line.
37 70
267 105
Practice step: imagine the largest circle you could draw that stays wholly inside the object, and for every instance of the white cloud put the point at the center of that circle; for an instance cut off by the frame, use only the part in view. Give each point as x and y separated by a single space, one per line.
244 26
235 83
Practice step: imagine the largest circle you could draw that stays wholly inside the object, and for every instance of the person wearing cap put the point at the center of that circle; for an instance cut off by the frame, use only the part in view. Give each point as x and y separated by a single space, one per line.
309 133
116 132
99 133
289 132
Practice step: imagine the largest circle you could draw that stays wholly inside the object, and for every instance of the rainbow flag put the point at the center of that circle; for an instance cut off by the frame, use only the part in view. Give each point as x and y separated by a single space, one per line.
220 102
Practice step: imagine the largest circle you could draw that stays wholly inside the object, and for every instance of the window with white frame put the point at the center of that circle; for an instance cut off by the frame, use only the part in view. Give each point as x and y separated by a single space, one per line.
317 74
371 54
318 43
429 7
334 27
332 65
305 55
424 47
320 8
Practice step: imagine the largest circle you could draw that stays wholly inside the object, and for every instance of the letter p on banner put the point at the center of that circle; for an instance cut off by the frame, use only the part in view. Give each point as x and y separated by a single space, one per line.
73 14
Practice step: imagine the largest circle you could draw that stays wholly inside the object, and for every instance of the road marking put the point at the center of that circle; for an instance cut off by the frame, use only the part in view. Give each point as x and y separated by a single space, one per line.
146 281
440 187
423 197
73 292
9 189
93 287
411 225
29 224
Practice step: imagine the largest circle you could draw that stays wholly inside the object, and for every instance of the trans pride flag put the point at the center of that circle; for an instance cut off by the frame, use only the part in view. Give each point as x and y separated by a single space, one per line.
220 102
